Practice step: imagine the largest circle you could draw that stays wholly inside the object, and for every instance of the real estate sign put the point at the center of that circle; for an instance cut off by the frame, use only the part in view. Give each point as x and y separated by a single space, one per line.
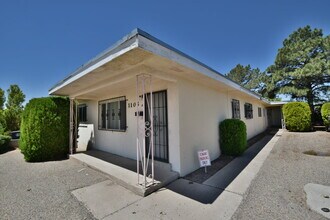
204 158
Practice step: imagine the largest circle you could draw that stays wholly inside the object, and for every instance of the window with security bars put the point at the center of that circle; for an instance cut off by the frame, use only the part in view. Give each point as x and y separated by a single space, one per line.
235 109
82 113
248 110
259 112
112 114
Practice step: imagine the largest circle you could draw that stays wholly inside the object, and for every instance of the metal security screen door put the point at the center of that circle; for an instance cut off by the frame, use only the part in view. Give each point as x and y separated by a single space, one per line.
159 124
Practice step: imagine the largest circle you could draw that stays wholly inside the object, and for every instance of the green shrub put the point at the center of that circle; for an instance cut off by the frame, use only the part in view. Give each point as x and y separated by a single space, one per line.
2 123
4 141
325 112
297 116
233 140
2 129
45 129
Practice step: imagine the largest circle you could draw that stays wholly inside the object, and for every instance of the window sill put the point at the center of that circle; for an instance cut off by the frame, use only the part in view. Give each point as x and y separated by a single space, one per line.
113 130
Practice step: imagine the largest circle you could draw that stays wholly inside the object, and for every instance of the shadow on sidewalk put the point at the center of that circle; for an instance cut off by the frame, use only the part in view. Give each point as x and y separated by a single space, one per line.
208 190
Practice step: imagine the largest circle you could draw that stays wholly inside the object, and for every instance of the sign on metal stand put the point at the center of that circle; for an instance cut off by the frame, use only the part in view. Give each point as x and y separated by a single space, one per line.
204 159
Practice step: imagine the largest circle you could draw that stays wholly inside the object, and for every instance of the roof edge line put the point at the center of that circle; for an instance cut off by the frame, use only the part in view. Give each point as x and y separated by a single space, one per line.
97 58
157 41
135 33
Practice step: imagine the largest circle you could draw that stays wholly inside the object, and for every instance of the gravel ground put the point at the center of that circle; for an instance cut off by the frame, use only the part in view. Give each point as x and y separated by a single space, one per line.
199 175
277 191
42 190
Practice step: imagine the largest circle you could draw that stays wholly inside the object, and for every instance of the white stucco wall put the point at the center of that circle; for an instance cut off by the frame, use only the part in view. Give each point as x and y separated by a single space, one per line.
194 114
201 110
255 125
124 143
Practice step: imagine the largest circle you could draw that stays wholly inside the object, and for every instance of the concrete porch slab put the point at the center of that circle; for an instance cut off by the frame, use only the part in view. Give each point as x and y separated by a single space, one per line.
121 171
102 198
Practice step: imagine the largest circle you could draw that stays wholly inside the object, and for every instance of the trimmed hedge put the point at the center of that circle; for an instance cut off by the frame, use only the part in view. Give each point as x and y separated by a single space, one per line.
233 137
325 112
45 129
4 141
297 116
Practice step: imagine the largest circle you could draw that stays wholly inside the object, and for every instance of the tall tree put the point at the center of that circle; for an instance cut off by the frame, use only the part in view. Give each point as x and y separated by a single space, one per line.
301 67
14 108
2 99
15 97
252 79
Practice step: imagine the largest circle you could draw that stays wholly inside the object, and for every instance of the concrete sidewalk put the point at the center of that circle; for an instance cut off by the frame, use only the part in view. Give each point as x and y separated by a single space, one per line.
217 198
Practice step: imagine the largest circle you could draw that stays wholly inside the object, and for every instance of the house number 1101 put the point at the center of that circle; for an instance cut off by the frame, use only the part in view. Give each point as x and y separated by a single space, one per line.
132 105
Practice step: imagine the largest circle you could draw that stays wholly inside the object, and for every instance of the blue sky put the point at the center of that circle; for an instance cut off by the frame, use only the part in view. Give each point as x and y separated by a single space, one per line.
42 41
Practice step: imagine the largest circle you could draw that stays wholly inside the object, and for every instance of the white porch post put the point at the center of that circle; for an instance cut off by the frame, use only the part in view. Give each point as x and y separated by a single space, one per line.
144 108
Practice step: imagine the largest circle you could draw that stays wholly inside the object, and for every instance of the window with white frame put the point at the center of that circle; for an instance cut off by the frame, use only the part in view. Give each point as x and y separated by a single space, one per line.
235 109
112 114
82 113
248 110
259 112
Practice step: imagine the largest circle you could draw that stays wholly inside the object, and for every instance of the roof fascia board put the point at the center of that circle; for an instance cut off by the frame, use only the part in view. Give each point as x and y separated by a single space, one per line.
162 49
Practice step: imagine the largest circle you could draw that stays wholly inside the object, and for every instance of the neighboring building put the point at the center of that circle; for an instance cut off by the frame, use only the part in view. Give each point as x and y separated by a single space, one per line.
189 101
275 115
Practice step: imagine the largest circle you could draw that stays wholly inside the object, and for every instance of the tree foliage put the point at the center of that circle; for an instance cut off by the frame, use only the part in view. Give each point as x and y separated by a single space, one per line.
2 123
252 79
325 112
2 99
301 67
15 97
10 118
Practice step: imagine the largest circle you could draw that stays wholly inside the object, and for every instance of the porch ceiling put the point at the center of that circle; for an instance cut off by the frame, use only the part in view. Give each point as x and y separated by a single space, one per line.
119 74
108 72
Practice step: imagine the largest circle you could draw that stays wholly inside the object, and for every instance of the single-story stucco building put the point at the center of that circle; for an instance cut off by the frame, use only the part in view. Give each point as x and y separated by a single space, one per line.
189 100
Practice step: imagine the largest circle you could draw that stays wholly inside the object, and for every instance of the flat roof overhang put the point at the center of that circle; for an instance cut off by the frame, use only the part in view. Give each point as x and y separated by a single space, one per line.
135 54
277 103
